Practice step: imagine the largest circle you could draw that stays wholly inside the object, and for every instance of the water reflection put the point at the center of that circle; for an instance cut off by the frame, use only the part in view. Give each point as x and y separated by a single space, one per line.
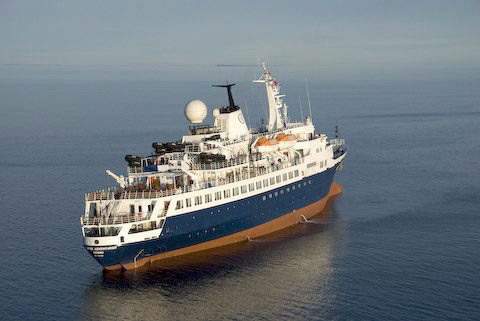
281 275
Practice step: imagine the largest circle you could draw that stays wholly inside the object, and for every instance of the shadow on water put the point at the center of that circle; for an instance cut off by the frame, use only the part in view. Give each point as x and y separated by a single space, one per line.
240 279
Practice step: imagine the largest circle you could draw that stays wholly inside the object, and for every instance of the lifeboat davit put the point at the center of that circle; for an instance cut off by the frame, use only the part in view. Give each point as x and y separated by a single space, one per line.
286 141
265 145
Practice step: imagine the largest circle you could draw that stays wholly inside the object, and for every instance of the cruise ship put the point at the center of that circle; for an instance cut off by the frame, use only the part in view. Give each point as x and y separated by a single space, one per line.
222 183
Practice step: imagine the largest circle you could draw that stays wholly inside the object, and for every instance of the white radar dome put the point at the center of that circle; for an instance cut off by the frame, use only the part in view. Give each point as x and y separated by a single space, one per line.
196 111
216 112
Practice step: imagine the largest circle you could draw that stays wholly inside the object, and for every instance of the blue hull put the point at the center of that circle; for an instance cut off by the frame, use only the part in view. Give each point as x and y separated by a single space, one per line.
208 224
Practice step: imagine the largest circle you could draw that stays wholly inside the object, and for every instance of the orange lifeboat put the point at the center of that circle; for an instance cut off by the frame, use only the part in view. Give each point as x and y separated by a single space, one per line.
261 141
281 136
286 141
267 145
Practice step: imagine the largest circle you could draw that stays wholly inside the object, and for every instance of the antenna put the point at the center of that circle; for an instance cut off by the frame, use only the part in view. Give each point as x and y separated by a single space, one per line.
248 114
308 98
301 109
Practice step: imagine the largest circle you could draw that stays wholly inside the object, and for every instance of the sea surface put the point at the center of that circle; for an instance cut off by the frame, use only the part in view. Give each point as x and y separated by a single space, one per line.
401 243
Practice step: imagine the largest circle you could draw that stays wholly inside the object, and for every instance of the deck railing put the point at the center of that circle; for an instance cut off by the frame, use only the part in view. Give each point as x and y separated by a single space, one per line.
118 194
337 141
122 218
241 160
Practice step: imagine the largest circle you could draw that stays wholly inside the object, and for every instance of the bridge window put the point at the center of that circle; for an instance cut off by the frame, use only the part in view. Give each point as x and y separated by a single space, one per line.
179 204
102 231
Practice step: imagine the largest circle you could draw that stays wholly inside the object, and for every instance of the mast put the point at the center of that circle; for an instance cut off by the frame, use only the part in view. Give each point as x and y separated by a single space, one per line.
277 109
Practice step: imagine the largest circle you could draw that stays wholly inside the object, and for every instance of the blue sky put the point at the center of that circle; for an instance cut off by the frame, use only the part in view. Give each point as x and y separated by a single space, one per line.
331 35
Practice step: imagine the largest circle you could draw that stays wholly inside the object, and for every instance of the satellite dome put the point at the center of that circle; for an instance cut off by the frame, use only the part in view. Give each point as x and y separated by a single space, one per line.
196 111
216 112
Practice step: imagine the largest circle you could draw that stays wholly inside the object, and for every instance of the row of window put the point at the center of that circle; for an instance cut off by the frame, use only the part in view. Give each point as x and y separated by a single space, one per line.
236 190
293 187
150 208
146 226
322 163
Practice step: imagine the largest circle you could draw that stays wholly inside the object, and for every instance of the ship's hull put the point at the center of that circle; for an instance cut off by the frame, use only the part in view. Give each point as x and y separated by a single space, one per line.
229 223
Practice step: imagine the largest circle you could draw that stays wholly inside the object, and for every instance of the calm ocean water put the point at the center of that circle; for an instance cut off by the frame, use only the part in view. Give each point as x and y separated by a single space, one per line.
401 243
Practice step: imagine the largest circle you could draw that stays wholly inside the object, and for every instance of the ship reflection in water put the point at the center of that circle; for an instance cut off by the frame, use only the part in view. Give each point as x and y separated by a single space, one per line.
284 275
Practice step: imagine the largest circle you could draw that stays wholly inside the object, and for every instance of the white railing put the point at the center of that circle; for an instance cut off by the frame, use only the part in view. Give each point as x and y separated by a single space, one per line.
241 160
121 194
245 173
337 141
118 219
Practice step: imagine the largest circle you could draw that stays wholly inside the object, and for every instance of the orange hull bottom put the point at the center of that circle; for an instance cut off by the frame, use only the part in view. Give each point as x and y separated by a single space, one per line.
275 225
